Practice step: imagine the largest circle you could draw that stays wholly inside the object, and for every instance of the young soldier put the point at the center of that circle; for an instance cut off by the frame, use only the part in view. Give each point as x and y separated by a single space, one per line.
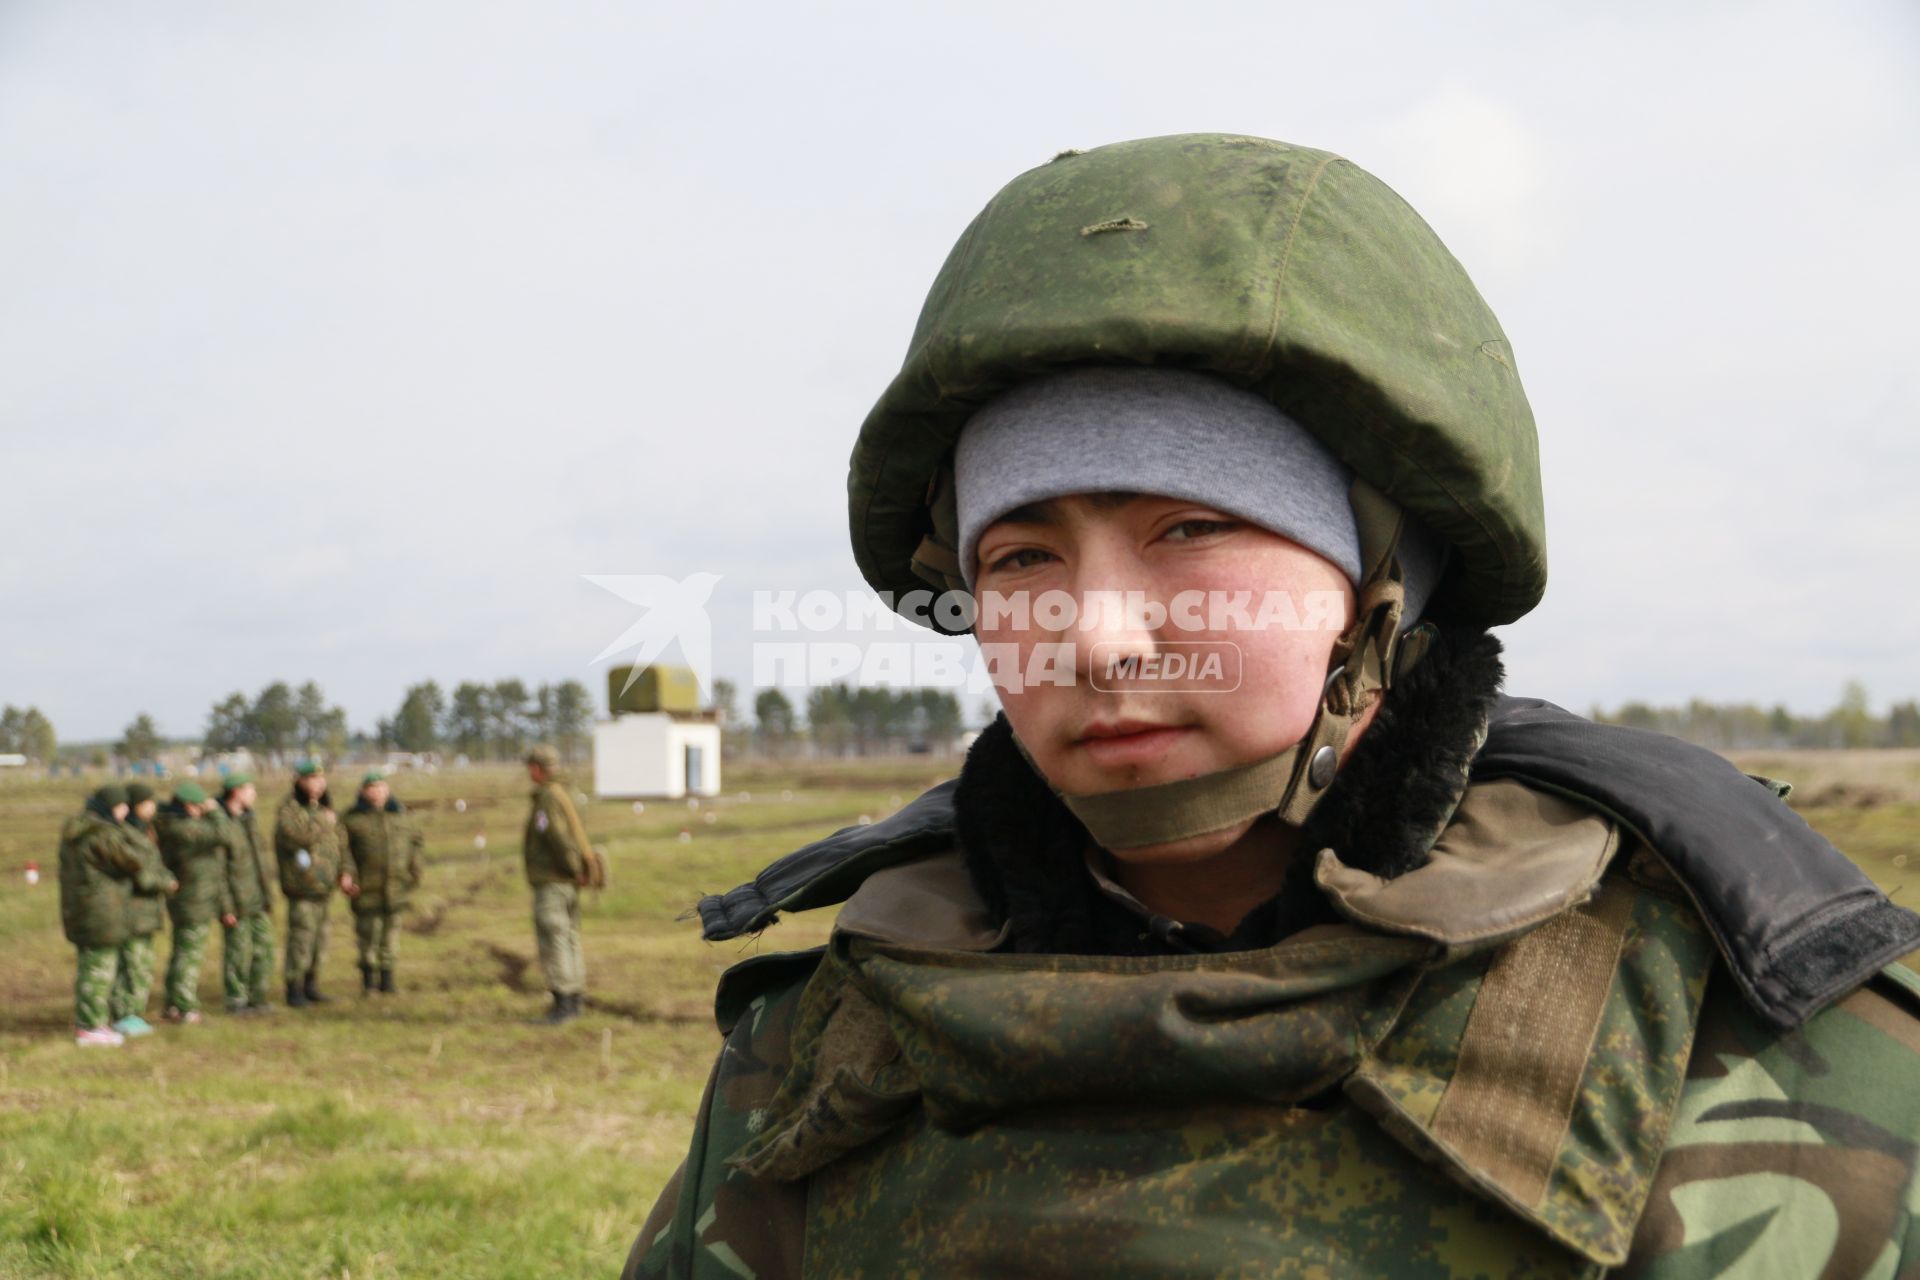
146 911
195 854
1335 962
246 952
306 839
560 860
98 870
379 873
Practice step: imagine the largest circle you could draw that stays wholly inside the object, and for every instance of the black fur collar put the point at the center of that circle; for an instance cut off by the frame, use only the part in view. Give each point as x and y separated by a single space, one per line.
1395 794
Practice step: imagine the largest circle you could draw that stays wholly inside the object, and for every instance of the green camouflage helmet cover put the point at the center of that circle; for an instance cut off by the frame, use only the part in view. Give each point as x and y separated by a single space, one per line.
1285 270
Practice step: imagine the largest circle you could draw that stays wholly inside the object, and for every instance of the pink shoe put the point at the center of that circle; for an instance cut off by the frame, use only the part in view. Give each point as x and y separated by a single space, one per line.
105 1037
190 1018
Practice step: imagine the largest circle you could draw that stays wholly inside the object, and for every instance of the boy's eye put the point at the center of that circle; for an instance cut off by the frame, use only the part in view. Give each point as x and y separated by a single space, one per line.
1024 558
1187 530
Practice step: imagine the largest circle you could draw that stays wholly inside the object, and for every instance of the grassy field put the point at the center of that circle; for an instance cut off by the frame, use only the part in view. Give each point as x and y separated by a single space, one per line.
437 1132
433 1133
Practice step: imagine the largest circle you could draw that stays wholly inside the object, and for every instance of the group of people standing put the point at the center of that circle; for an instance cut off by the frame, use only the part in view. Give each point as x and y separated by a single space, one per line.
127 862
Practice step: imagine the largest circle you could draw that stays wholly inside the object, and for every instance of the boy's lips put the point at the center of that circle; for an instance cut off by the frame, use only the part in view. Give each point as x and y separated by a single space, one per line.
1129 742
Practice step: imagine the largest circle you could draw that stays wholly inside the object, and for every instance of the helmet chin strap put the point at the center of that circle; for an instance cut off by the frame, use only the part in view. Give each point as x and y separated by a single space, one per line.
1366 658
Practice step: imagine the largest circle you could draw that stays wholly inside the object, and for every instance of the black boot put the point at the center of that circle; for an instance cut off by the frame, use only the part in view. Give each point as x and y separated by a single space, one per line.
311 989
386 982
296 998
565 1009
366 979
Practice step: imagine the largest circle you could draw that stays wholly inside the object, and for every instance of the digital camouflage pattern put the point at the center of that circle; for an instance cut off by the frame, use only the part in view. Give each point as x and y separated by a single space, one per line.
94 971
97 874
383 855
306 845
307 837
248 886
883 1116
195 852
306 938
133 978
246 960
183 965
147 903
376 933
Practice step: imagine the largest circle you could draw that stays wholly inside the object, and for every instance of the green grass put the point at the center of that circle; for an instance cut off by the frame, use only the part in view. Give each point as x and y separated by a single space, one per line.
436 1133
439 1133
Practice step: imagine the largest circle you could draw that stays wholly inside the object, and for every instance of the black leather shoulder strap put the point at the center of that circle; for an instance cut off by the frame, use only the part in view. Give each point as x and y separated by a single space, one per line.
1799 924
828 871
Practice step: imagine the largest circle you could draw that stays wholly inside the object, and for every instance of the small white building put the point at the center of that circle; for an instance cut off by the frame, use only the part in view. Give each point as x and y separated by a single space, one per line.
647 754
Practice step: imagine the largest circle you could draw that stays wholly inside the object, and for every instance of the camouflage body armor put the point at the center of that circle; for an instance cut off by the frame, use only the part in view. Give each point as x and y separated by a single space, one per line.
1517 1060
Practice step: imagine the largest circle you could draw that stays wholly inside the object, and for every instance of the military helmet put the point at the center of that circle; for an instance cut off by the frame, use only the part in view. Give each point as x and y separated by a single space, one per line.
1282 269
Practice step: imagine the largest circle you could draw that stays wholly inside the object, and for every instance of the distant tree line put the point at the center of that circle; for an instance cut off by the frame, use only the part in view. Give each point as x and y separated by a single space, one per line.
844 720
25 732
1746 726
277 720
495 721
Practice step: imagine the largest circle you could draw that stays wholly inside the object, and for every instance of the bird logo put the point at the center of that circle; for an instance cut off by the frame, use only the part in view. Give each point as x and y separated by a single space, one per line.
673 610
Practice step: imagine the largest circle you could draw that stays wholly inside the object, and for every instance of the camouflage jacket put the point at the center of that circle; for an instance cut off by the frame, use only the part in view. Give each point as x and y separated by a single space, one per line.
194 850
1525 1058
98 870
551 842
146 906
382 854
248 887
306 843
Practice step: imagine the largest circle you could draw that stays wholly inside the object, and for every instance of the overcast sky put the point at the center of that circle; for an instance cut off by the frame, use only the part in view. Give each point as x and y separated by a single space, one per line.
340 341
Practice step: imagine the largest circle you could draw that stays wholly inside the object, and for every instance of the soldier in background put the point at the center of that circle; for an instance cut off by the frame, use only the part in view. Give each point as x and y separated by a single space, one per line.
306 841
190 845
146 912
382 868
247 950
97 872
560 860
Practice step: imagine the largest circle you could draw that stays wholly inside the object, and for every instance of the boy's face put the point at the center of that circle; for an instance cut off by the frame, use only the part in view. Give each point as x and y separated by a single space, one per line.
1266 609
376 794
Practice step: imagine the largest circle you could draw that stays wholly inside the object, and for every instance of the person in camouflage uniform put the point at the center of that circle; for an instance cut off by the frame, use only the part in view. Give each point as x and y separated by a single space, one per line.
559 864
195 854
98 871
246 954
146 912
381 867
1344 965
306 839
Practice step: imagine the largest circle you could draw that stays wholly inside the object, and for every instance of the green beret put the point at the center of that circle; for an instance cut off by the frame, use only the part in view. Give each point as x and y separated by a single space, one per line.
235 781
190 793
138 791
307 768
372 777
544 756
111 794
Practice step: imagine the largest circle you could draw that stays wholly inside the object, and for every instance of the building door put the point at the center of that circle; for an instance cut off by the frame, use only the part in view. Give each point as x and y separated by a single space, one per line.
696 778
